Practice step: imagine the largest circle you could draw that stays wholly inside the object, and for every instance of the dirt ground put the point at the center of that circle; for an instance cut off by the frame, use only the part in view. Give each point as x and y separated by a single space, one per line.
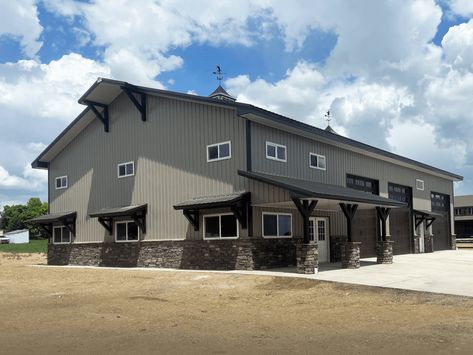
98 311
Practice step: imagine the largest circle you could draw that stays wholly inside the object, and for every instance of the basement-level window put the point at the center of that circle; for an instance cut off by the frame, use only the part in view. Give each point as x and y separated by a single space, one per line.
126 169
61 235
277 225
275 151
219 151
420 184
126 231
317 161
221 226
61 182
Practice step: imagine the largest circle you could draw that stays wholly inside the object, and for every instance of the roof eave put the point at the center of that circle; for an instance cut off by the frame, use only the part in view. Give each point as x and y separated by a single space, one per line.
308 193
246 110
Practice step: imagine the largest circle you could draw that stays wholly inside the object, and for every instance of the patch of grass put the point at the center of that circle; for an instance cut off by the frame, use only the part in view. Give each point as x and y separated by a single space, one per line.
34 246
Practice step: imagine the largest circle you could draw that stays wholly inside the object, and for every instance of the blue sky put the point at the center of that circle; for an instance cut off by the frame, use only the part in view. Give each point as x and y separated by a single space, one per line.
390 71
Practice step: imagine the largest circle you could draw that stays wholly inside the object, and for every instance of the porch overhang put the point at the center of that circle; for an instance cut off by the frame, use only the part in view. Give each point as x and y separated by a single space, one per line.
424 215
306 189
45 222
238 202
137 213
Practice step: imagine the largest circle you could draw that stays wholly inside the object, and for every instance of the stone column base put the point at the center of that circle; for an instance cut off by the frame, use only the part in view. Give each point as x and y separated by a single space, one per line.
454 242
307 258
416 244
351 255
384 252
429 244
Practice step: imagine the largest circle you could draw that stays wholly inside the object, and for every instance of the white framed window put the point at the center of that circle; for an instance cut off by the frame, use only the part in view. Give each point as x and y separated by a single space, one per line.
126 169
420 184
277 225
276 152
317 161
61 182
61 235
126 231
219 151
221 226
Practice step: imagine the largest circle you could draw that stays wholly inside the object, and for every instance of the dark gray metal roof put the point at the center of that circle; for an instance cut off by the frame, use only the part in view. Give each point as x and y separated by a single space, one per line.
306 188
242 109
53 217
245 109
119 211
211 201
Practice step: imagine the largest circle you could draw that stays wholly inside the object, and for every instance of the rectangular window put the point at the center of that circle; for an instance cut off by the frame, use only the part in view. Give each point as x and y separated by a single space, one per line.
277 225
275 151
126 169
61 235
61 182
219 151
440 202
363 184
221 226
126 231
317 161
420 184
400 193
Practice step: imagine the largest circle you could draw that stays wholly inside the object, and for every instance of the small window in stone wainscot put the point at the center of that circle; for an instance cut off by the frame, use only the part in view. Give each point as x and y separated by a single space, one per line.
277 225
126 231
61 235
221 226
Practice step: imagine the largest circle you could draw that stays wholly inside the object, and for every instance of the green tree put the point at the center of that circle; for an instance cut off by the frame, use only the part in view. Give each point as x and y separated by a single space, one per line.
14 217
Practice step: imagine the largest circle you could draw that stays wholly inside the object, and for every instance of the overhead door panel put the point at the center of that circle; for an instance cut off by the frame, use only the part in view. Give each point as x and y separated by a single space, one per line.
400 220
441 225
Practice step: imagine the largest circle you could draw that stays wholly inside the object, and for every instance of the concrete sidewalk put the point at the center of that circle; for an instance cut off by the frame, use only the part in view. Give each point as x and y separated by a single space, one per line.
449 272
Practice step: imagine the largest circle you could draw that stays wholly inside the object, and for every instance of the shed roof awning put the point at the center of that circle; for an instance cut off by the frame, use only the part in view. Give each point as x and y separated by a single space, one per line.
53 217
426 213
199 203
311 189
120 211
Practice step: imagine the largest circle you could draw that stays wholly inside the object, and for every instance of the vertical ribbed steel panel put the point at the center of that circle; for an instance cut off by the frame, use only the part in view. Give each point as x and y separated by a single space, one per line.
169 151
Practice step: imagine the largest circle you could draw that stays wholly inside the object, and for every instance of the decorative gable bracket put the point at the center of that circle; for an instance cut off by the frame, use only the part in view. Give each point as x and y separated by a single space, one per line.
102 116
107 223
141 106
193 218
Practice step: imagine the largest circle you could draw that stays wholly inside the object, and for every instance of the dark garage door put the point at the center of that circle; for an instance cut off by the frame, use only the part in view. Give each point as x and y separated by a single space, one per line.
400 220
441 225
364 231
365 222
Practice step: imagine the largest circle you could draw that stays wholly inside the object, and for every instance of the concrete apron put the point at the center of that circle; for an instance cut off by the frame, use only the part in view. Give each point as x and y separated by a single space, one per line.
447 272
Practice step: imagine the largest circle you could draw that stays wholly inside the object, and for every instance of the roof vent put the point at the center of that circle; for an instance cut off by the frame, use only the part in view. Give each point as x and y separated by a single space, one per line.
330 129
220 94
328 118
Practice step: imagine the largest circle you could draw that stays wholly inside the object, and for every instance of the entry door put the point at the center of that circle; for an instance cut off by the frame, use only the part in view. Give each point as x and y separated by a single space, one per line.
318 231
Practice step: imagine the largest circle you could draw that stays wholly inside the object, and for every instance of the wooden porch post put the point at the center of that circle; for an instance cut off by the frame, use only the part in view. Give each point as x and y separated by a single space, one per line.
305 209
349 211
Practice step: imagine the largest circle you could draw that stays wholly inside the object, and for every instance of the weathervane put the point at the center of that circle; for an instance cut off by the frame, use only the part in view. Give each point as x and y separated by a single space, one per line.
328 117
219 74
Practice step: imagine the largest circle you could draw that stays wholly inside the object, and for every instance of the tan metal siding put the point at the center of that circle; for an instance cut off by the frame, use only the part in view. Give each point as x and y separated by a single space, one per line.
339 163
169 151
